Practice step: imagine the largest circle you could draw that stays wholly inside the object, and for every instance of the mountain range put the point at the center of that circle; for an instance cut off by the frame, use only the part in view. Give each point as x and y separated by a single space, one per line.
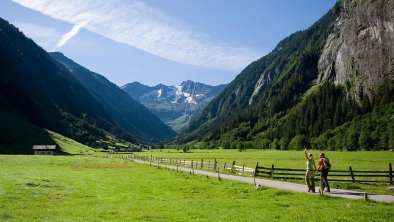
330 86
38 93
175 105
122 109
327 87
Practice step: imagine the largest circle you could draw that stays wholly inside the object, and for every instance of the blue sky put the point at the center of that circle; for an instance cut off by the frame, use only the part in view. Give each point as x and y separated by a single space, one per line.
163 41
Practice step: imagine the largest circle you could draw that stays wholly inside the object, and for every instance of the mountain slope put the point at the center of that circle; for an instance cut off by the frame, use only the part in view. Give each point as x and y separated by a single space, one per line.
175 105
313 81
36 89
250 86
123 110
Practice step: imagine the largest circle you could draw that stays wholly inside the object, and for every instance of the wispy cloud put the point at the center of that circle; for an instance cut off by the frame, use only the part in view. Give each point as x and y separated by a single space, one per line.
141 26
44 36
73 32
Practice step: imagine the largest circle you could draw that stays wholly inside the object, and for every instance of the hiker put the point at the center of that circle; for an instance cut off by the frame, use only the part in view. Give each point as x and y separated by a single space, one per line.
324 167
310 171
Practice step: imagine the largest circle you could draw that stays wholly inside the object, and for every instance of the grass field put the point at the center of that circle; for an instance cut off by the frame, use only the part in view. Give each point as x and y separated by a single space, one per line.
361 160
77 188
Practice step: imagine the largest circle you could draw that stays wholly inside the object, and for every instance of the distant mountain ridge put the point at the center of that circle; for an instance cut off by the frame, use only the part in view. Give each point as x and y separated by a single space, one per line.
127 113
175 105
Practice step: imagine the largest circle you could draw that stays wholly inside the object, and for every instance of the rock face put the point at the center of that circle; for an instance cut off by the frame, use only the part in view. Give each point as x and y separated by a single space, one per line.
359 53
262 83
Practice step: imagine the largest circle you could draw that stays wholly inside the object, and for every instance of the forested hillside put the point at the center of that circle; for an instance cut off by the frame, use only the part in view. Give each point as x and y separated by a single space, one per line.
311 91
37 92
122 109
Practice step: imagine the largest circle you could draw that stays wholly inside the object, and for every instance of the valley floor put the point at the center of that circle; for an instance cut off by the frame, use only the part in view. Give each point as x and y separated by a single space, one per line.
340 160
79 188
288 186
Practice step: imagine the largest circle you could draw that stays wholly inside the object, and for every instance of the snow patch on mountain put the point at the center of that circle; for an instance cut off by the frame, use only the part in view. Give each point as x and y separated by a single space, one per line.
175 105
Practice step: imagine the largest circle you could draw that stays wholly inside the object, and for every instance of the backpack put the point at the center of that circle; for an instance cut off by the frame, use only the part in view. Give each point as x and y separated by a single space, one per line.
327 163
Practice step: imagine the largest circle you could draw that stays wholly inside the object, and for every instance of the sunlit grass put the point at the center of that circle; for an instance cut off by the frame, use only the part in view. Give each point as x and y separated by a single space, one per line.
360 160
47 188
70 146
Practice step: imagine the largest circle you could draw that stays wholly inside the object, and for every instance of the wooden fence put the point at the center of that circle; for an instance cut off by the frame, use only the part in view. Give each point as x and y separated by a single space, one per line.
350 175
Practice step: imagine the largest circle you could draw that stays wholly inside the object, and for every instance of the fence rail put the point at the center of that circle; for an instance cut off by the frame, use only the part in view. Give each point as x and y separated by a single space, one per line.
350 175
334 175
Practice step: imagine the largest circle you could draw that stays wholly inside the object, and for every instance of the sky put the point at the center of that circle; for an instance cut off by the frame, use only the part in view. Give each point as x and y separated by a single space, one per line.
162 41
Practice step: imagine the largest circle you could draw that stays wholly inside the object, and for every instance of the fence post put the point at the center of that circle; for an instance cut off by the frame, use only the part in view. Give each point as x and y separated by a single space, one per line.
176 165
202 162
272 171
243 169
391 173
224 166
232 167
214 165
218 171
193 167
150 161
255 172
351 174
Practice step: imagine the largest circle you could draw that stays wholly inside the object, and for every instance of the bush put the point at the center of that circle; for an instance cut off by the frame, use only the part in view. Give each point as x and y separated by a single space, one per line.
299 142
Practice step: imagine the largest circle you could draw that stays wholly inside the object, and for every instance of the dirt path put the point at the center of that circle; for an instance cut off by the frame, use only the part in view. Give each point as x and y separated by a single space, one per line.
283 185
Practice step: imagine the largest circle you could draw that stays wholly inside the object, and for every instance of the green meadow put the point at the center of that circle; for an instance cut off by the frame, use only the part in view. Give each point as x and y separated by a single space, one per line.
361 160
340 160
81 188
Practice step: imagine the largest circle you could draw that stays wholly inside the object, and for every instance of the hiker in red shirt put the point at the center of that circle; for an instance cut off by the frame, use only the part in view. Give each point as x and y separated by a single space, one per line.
324 166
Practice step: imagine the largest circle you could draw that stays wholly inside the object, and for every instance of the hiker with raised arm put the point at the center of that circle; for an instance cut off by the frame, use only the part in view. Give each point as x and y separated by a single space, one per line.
310 171
324 167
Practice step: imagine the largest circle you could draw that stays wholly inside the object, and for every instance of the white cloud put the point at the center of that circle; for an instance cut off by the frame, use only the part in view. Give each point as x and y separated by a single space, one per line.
136 24
44 36
73 32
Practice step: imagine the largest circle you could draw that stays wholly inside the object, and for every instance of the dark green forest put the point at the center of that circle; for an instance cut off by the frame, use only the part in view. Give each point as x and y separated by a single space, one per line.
38 93
292 111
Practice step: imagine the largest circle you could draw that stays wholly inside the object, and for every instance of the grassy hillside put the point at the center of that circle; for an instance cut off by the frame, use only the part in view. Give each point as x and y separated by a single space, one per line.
18 135
68 145
38 188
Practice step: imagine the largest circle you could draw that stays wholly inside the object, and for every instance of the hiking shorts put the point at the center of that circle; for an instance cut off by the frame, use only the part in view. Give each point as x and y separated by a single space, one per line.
310 173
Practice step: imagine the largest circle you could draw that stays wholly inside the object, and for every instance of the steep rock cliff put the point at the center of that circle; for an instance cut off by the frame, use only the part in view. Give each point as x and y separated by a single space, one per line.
359 53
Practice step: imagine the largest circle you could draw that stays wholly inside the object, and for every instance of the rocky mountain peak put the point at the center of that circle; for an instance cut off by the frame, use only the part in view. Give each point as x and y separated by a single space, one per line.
174 104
